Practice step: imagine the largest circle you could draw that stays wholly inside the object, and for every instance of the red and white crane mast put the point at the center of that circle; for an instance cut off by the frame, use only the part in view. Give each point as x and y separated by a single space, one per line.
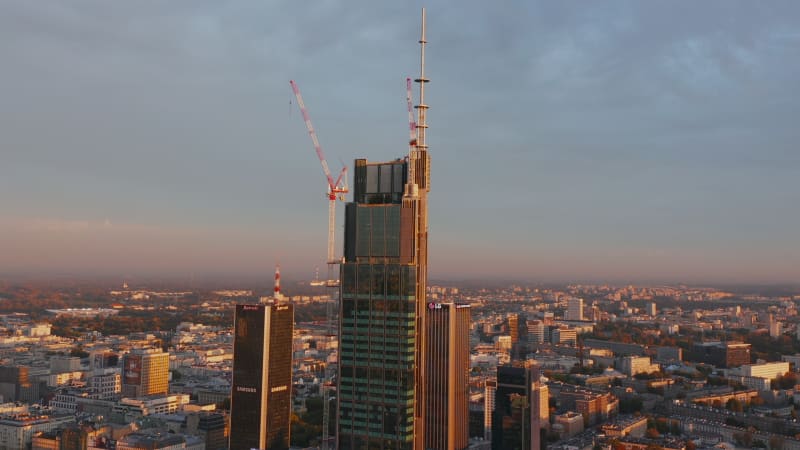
336 190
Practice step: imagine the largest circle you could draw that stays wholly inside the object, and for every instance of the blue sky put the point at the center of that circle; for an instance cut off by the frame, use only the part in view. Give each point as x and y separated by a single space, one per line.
570 140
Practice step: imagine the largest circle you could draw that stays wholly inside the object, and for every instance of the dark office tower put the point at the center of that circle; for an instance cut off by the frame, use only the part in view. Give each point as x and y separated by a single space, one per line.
382 311
261 391
447 363
511 416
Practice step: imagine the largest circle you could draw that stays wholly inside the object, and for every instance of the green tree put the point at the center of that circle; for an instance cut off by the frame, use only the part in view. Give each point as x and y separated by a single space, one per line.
734 405
776 442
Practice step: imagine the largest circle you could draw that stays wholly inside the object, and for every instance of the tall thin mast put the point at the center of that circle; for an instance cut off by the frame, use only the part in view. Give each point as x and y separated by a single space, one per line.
422 107
419 186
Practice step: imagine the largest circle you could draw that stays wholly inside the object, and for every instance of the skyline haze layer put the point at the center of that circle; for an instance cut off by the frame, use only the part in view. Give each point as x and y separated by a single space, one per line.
622 141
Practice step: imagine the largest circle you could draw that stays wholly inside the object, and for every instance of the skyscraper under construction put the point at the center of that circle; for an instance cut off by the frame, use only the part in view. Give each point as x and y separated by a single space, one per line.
382 310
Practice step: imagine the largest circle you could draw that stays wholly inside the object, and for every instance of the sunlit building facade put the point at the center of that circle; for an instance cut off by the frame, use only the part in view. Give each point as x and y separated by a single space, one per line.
447 364
145 372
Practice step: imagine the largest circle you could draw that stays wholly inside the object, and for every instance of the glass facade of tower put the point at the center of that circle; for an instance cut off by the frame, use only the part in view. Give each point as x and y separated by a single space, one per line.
447 364
378 312
261 391
511 419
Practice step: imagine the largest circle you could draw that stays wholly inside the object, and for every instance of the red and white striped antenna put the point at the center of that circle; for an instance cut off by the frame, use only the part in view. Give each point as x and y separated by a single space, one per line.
277 290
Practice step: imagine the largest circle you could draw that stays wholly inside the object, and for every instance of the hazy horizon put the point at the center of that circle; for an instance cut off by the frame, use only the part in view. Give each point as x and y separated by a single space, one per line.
618 141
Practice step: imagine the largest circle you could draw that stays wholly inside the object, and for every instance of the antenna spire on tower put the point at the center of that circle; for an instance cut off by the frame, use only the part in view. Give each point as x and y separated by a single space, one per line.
277 290
420 159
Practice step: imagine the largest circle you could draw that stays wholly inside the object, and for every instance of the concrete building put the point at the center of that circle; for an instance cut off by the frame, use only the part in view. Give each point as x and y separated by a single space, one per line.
619 348
775 329
593 406
129 409
569 424
720 354
669 354
513 328
490 390
16 432
503 343
564 336
574 309
757 383
767 370
633 365
539 413
536 331
142 441
145 372
59 364
106 382
631 426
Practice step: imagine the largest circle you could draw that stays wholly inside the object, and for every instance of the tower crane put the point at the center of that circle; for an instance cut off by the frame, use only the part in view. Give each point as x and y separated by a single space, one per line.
336 188
336 191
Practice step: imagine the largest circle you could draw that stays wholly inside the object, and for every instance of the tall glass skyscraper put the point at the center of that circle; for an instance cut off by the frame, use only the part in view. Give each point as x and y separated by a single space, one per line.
447 366
378 312
261 391
511 418
382 310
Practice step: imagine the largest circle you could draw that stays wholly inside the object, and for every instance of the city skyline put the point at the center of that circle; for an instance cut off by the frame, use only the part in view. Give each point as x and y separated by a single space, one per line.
614 142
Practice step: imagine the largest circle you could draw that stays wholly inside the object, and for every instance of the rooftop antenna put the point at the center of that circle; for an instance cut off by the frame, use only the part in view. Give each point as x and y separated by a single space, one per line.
277 289
412 123
422 158
418 167
422 107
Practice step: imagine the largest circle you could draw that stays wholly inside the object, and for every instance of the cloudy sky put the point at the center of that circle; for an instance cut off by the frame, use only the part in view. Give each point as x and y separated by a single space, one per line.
570 140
